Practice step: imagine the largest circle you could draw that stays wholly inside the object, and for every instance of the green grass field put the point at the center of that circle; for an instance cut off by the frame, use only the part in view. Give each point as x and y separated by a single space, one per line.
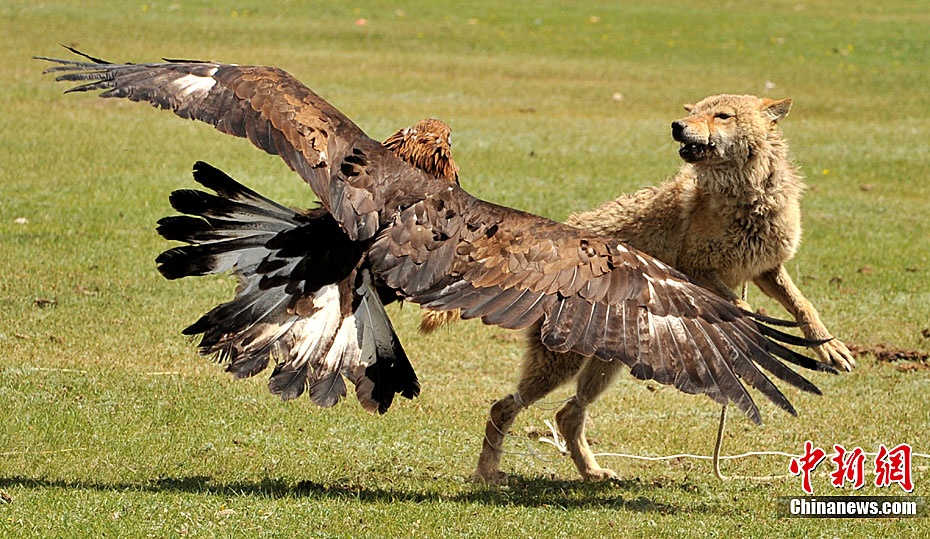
110 424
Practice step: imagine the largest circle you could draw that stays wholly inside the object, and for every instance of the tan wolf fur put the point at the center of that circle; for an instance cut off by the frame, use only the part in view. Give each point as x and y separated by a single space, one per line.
730 215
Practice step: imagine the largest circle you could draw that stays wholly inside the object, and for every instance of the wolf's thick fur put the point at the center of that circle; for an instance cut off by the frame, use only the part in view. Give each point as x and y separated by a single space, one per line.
731 215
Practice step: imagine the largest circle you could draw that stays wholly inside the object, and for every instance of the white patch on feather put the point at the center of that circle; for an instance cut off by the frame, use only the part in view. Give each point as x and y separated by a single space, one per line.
682 286
670 282
344 346
326 384
355 346
314 331
189 84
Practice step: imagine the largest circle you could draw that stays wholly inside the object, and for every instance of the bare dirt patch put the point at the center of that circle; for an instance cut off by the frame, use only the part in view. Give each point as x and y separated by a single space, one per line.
906 360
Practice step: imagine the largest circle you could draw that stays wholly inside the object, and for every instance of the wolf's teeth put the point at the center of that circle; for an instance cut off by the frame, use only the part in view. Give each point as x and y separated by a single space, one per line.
711 144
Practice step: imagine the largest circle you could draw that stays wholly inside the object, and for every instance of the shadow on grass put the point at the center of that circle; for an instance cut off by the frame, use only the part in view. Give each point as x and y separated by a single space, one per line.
630 495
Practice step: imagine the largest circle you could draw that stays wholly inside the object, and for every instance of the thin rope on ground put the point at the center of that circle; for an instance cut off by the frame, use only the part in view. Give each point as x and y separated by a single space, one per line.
55 369
692 456
27 452
530 450
718 444
549 406
559 444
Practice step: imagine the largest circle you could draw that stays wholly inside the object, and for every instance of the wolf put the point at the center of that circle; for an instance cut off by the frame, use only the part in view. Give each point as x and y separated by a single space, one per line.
730 215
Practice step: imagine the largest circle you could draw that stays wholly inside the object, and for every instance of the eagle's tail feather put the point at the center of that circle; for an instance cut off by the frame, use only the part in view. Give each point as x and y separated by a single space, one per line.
306 298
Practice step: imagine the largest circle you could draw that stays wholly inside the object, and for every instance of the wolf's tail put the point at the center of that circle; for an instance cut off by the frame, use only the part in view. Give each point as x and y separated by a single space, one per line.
306 298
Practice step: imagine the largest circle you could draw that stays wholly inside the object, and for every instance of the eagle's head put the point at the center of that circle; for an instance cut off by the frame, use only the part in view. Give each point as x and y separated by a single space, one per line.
427 146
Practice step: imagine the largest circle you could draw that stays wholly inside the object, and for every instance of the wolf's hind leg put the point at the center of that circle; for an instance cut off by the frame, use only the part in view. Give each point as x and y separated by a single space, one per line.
543 371
595 377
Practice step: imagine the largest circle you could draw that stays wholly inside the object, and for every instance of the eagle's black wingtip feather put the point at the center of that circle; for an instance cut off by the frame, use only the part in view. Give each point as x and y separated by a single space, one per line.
830 369
202 169
180 61
772 320
85 55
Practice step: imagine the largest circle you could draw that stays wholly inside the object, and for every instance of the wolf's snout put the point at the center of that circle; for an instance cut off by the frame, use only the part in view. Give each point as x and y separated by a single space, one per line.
677 129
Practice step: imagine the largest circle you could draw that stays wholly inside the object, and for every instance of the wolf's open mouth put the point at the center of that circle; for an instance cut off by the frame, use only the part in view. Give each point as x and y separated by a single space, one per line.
695 151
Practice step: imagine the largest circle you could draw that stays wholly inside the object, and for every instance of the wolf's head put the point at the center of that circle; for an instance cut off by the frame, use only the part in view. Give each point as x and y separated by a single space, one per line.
726 130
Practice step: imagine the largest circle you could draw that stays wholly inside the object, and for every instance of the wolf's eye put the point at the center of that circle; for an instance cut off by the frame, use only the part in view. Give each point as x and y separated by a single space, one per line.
723 116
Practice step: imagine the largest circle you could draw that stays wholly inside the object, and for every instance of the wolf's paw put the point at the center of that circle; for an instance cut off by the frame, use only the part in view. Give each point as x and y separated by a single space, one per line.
835 353
491 477
598 474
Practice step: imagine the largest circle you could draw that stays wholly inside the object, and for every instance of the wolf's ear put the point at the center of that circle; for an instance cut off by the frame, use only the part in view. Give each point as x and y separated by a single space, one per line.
776 110
688 107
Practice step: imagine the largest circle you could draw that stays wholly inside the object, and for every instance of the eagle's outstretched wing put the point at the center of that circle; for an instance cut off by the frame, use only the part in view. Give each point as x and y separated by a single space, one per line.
277 113
438 246
597 297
